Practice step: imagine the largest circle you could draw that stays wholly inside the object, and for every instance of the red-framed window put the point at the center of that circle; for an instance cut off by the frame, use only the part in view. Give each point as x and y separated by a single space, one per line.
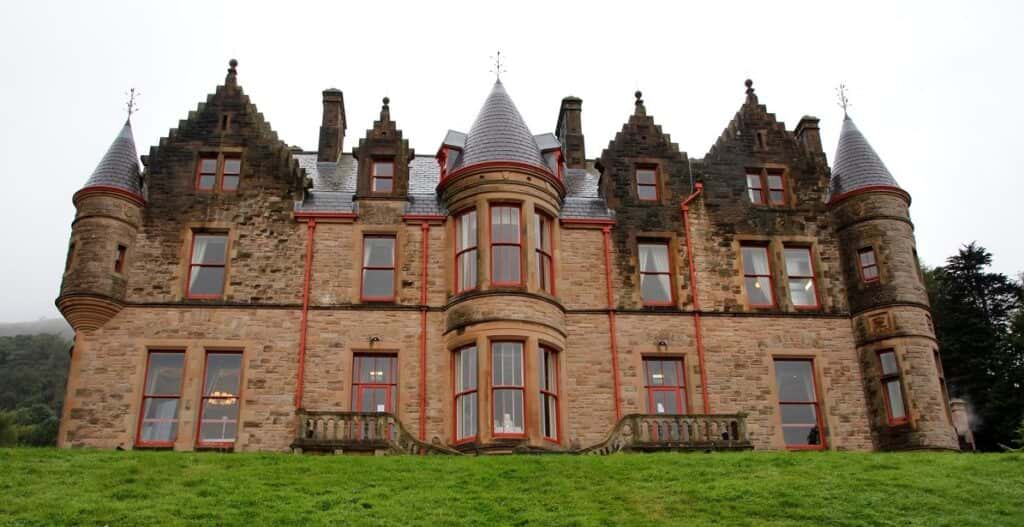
466 399
119 258
647 183
766 186
665 386
868 264
383 177
161 398
803 288
798 404
655 274
508 415
757 276
465 251
543 228
207 264
218 411
506 245
892 388
378 282
549 418
221 171
374 383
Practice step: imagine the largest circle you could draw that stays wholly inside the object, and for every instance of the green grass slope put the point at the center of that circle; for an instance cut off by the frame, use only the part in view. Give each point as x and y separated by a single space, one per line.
60 487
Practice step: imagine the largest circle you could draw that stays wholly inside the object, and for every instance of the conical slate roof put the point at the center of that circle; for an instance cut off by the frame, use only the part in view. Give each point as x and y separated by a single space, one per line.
119 168
499 133
856 165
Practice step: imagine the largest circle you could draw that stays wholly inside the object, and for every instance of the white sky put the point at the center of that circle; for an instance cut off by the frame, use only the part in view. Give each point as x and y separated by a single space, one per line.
935 86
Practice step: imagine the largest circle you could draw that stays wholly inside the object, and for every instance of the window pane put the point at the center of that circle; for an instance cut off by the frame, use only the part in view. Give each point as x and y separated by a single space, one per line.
206 182
384 169
378 283
759 290
777 196
504 224
220 421
208 166
467 270
801 435
795 380
647 192
159 420
232 166
381 184
466 235
230 182
867 257
802 293
895 391
206 281
755 260
653 258
799 414
164 375
467 415
888 360
379 252
798 262
223 374
655 288
665 402
549 415
870 273
646 177
506 264
774 182
507 364
508 411
465 369
548 370
209 249
754 181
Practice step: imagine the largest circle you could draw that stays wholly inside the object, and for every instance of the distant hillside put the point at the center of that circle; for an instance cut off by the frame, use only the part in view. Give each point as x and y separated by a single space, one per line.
57 326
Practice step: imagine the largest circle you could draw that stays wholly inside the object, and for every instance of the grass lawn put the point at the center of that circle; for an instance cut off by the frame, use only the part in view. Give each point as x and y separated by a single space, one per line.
61 487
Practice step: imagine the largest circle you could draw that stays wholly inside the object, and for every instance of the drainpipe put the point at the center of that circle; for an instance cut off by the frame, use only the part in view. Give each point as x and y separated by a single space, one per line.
425 232
607 230
698 188
310 231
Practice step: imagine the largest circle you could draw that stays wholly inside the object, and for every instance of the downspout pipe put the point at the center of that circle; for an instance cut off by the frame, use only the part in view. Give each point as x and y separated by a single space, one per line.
425 234
304 322
698 189
607 231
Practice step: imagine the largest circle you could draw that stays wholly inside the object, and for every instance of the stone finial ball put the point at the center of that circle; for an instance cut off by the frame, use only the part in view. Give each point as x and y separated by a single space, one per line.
387 100
748 83
232 63
638 94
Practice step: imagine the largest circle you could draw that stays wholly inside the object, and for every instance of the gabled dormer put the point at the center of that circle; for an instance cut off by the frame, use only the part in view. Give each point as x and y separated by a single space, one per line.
383 158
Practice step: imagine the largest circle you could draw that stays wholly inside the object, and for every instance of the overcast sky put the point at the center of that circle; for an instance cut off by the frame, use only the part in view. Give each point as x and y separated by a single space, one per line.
936 87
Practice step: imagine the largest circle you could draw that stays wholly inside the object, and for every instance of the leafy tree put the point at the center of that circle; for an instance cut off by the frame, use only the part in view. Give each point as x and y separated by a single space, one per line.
979 320
33 374
8 429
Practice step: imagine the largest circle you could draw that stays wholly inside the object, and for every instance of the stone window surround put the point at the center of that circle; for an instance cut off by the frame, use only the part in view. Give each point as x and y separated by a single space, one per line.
374 177
776 262
814 274
897 345
221 228
871 247
365 235
820 389
220 154
203 397
681 389
883 379
457 222
671 253
761 169
674 261
654 167
138 442
192 379
482 336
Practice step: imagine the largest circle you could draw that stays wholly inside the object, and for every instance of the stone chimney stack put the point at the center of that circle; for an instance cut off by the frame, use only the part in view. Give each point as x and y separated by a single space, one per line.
569 131
808 134
332 128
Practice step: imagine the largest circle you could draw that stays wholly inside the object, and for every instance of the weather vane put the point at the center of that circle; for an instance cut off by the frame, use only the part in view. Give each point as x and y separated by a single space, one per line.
498 69
132 107
844 101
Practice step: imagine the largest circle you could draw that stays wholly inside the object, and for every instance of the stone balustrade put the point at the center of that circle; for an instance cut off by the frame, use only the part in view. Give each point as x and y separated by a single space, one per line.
653 432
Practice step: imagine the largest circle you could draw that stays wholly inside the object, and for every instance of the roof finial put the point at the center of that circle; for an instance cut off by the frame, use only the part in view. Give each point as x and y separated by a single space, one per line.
232 78
498 68
640 108
844 101
751 98
385 110
131 105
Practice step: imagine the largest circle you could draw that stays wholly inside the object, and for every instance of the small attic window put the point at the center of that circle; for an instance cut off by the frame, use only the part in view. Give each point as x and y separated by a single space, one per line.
762 139
225 121
383 177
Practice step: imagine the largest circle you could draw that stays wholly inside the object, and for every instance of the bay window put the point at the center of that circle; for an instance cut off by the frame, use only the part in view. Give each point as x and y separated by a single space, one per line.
378 282
218 410
207 266
548 367
507 388
798 404
892 387
506 245
542 230
655 277
803 291
757 276
161 397
465 251
466 402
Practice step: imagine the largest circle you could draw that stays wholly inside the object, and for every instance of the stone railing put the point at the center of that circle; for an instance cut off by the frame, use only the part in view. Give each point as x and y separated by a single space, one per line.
652 432
369 432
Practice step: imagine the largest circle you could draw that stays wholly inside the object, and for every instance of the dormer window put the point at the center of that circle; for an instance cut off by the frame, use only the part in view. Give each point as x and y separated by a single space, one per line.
383 180
765 186
647 183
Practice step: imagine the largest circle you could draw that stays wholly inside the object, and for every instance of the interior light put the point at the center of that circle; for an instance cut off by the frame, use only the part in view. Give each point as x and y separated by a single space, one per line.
808 286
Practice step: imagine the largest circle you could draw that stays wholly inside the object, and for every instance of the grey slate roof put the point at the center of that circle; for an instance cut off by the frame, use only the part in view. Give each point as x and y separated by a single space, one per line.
547 141
856 164
582 198
119 167
499 133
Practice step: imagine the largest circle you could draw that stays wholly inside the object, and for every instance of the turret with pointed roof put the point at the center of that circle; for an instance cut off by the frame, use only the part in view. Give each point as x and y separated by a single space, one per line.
857 165
500 134
119 168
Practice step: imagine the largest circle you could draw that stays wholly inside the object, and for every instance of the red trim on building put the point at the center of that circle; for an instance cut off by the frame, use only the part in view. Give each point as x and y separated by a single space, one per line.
521 388
425 233
459 252
456 440
545 257
304 321
816 404
518 244
142 406
874 188
597 223
670 261
885 378
697 328
527 168
364 268
607 232
104 189
203 397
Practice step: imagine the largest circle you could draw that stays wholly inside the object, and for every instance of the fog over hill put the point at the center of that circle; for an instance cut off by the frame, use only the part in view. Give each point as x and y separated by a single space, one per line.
57 326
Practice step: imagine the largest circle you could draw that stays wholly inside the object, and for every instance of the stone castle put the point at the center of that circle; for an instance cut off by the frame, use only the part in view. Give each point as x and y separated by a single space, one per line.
502 294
